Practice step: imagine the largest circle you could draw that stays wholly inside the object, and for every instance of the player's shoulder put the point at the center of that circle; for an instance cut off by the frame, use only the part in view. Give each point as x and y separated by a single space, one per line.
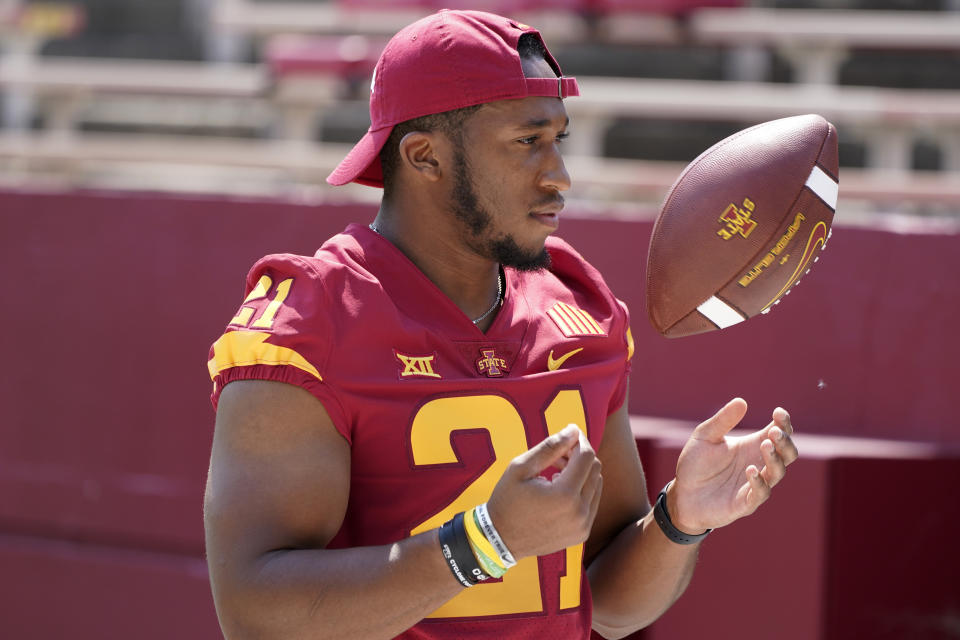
575 297
295 295
286 265
339 258
573 285
571 268
291 320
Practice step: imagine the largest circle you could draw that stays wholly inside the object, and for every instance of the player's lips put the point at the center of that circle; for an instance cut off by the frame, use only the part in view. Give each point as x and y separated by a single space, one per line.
548 213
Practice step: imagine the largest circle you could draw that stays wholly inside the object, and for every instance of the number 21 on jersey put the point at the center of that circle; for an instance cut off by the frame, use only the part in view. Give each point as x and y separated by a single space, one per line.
265 321
520 590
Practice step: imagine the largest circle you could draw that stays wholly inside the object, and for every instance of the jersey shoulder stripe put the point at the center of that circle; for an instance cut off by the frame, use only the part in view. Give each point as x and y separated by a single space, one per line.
248 348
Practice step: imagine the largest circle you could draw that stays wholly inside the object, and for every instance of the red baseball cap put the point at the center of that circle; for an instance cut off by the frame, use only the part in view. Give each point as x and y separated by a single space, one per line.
445 61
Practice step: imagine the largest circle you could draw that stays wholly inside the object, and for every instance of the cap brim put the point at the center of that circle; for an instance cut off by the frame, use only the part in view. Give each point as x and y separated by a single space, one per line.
362 164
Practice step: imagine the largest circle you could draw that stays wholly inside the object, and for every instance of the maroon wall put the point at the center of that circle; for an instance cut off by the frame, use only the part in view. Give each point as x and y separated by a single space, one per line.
111 301
856 542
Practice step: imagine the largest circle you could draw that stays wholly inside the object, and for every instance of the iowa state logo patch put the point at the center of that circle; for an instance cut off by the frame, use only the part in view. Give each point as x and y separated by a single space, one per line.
490 364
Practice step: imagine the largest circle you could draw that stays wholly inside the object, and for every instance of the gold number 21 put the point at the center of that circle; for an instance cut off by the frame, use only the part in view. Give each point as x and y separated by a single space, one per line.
265 321
519 592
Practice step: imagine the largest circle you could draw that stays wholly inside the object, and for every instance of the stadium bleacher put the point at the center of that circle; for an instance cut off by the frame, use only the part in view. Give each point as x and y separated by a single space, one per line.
668 78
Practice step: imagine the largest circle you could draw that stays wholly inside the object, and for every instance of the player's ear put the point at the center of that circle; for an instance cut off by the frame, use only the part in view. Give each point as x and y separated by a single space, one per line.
419 152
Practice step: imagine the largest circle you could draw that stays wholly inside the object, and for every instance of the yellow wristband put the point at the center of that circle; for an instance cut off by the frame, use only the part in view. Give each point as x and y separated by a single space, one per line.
479 541
488 565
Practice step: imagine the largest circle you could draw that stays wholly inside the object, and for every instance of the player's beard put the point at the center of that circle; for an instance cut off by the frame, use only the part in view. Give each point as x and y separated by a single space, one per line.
478 225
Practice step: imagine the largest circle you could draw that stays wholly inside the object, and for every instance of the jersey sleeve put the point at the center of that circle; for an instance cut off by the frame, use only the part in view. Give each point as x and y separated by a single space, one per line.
281 332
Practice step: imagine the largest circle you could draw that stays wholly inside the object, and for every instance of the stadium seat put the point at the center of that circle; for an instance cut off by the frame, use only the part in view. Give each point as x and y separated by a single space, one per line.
669 7
390 5
504 7
343 56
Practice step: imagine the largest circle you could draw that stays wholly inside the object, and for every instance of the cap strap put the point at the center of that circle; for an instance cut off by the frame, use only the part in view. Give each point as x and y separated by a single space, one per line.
562 87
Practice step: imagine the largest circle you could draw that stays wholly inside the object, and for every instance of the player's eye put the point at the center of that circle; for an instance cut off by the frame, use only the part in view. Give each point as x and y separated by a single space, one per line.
533 139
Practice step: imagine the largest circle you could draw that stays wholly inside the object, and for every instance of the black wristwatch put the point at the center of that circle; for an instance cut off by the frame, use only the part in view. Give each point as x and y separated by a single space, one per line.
662 516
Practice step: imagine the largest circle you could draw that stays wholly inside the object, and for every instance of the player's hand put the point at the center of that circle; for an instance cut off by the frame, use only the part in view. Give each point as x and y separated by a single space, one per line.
536 515
722 478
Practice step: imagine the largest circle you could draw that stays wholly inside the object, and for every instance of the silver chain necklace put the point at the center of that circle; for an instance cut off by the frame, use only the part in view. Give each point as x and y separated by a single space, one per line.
496 303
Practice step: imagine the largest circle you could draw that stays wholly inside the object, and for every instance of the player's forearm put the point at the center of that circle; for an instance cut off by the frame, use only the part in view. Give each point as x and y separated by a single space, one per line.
365 592
637 577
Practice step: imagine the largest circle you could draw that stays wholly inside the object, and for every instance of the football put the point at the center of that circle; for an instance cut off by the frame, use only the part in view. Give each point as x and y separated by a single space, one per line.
741 225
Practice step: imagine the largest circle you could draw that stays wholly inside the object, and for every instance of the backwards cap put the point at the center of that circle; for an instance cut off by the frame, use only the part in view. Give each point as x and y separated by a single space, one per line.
445 61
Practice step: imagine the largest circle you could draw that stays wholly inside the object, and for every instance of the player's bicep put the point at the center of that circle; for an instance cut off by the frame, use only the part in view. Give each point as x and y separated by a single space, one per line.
279 475
624 499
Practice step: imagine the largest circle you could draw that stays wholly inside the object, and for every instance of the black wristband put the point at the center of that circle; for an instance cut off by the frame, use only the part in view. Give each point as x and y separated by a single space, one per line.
662 516
456 551
464 553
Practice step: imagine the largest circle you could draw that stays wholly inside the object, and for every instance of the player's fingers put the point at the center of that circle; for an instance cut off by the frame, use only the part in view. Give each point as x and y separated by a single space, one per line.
582 441
758 490
782 418
593 480
548 452
786 447
716 427
774 468
581 465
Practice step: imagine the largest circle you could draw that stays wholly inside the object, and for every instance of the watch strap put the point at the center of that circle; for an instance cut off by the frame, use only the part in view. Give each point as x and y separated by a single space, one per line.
662 516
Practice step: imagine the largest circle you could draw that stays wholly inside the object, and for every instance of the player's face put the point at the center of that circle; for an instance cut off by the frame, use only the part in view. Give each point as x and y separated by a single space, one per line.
507 178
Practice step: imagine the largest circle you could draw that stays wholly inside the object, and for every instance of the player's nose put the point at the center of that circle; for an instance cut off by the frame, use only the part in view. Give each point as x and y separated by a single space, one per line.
554 173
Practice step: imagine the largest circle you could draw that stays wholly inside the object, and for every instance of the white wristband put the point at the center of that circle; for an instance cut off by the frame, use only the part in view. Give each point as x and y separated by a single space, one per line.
486 525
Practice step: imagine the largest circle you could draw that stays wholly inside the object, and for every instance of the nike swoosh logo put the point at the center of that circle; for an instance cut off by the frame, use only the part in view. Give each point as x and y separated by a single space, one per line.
553 365
817 239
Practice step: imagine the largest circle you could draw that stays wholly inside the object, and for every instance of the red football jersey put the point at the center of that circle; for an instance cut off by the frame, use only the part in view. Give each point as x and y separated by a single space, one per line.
434 409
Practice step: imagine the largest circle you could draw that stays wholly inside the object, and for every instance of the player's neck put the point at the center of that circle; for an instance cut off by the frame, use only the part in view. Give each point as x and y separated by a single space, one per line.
470 281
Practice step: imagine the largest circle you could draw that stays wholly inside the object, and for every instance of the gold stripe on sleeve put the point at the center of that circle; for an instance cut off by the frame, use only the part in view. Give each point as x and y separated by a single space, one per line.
247 348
